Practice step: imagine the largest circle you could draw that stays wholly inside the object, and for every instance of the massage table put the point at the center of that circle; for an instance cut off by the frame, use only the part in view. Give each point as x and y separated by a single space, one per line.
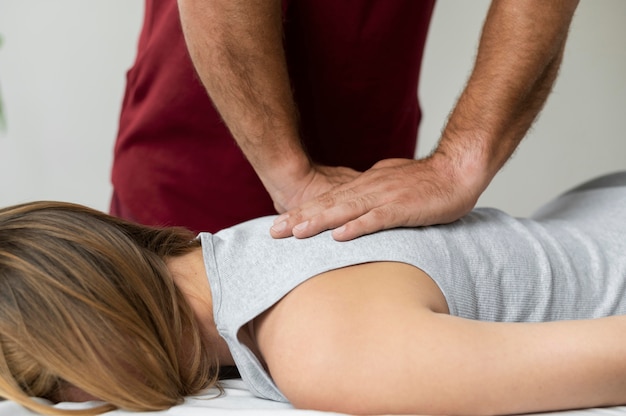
238 401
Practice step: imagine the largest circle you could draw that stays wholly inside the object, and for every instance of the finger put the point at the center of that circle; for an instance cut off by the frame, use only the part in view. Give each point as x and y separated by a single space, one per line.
284 223
335 216
279 228
304 217
377 219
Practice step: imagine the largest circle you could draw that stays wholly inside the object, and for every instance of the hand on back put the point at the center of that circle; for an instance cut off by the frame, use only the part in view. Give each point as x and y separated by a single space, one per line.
393 193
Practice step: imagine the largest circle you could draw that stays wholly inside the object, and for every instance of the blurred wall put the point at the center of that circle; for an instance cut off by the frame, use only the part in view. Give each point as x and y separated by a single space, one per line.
62 73
63 63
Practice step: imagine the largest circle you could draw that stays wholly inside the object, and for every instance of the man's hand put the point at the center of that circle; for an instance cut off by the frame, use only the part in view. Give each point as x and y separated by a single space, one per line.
393 193
320 179
518 58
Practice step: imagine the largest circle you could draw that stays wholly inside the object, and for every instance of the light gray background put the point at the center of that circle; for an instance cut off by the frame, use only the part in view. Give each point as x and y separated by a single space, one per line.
63 63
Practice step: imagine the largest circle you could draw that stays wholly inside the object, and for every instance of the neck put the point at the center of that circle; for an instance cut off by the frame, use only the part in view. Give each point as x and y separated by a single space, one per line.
190 277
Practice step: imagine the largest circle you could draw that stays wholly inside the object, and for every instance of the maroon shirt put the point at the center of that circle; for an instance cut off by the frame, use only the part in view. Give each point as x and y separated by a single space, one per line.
354 66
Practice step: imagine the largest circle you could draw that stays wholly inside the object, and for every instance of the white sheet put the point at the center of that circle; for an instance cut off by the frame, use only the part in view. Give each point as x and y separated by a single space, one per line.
238 401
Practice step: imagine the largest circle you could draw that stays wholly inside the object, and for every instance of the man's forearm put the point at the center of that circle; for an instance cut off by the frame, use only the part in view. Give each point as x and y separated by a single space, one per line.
236 47
519 55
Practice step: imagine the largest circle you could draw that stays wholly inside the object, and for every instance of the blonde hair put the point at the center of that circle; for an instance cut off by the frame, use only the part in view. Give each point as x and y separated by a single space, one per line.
86 301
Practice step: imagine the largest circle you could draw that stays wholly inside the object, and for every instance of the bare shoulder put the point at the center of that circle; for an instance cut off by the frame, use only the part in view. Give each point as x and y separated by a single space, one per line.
341 328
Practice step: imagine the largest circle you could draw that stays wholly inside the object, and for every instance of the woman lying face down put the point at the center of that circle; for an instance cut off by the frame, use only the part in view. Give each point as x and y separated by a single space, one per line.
436 320
89 308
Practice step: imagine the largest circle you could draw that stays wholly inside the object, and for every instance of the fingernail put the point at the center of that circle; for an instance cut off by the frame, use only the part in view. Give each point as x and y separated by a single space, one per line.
281 218
279 227
301 227
340 230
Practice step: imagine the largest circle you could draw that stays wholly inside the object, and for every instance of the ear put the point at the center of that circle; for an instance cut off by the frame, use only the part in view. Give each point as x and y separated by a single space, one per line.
70 393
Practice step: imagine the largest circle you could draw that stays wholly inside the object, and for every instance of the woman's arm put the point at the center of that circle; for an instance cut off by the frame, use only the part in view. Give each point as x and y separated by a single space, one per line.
376 338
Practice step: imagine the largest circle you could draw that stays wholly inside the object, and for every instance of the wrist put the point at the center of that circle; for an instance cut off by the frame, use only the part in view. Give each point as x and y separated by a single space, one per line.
468 166
290 167
285 168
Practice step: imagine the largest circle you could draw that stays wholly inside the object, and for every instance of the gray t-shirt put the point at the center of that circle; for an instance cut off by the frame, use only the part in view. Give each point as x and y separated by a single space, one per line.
567 262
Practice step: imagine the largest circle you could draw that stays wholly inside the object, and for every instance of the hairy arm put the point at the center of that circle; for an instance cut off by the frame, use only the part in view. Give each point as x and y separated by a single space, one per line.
519 54
236 47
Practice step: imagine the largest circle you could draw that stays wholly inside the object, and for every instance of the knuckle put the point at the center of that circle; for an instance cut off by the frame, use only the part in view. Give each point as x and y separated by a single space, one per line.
354 205
296 217
336 197
327 200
